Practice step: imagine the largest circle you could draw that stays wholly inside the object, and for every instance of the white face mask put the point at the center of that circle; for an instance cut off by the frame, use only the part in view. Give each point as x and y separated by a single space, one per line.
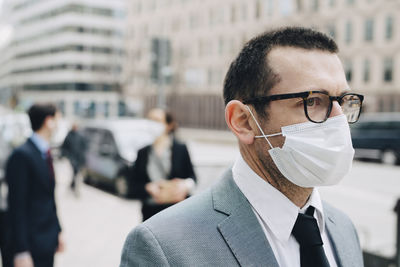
314 154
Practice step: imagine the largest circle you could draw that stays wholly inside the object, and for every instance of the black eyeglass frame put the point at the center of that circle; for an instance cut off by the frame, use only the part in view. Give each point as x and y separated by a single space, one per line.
304 95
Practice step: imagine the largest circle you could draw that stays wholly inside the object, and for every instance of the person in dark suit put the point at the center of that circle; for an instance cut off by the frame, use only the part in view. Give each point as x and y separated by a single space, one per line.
35 230
163 173
74 149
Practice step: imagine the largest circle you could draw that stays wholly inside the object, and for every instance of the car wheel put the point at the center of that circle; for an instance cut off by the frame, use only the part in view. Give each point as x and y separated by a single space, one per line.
389 157
121 186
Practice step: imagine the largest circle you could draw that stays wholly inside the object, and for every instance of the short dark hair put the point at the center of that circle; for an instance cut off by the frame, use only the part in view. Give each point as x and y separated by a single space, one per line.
38 113
170 120
249 75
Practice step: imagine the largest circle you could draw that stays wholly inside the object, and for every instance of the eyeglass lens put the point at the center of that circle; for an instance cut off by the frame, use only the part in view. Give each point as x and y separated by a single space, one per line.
318 106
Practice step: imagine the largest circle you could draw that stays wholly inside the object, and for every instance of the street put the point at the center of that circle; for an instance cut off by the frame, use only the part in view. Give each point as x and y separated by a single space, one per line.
96 222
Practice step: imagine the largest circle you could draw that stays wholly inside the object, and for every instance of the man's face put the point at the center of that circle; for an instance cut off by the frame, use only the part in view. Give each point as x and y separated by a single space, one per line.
299 70
158 115
51 123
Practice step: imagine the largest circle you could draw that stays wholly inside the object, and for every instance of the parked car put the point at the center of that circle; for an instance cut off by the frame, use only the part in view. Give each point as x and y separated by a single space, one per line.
112 150
377 136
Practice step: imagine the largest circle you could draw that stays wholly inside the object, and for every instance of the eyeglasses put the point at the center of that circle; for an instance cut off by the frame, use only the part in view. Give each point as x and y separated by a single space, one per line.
318 105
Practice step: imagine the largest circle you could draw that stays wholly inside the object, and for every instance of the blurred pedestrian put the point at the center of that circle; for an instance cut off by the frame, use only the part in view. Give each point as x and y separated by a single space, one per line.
6 258
74 149
163 173
34 227
288 103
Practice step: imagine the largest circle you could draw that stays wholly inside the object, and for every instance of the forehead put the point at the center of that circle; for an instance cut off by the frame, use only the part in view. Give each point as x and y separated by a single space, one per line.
157 115
302 70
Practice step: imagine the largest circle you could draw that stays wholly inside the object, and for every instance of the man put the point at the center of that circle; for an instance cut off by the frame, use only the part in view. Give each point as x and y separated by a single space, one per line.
5 258
74 148
287 103
34 226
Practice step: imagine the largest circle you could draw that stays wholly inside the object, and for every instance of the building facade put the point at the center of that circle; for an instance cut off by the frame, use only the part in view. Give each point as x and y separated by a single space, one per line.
65 51
205 36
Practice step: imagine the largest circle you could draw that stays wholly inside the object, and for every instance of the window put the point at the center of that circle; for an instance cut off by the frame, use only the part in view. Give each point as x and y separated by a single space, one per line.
350 2
348 70
388 69
315 5
367 70
71 8
139 7
286 7
106 109
233 14
77 108
332 3
211 17
299 4
258 9
193 21
369 30
220 45
61 106
200 48
269 7
210 77
349 32
331 30
244 12
389 28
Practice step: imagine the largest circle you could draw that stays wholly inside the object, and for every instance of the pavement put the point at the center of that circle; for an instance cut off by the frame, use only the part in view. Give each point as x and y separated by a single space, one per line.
96 223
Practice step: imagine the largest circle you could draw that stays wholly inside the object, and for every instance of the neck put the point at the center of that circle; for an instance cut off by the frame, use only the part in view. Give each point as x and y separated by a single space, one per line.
161 143
268 171
44 134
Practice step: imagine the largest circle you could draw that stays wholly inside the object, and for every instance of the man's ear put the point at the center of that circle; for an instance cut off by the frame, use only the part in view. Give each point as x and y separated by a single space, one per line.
237 118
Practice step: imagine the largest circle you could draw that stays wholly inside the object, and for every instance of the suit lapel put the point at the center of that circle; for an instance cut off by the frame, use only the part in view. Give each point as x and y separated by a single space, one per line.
339 243
41 166
241 230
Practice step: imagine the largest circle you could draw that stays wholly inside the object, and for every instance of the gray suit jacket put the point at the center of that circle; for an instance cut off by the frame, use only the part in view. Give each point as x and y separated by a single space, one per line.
219 228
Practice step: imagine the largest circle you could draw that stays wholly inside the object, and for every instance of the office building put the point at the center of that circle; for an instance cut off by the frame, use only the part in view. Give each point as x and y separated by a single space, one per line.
65 51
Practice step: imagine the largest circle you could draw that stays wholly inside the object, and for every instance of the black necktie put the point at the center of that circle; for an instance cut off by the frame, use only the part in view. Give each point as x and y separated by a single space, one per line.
307 233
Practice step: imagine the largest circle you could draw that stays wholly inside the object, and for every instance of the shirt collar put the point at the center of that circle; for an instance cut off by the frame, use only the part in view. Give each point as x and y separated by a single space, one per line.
274 208
40 143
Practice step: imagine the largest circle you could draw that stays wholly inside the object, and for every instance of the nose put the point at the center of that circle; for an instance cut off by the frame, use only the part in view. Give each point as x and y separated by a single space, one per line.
336 109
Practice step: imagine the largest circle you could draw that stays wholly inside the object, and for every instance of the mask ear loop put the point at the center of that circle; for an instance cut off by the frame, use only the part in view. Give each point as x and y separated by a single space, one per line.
259 127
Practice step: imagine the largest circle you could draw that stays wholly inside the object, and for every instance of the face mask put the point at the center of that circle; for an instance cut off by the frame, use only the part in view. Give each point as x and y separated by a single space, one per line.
314 154
156 129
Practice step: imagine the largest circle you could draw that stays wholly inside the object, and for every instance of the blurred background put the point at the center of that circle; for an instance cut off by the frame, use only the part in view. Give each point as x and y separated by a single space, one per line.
106 63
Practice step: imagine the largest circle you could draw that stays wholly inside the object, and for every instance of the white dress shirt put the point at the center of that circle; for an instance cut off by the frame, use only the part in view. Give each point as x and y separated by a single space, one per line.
277 215
41 144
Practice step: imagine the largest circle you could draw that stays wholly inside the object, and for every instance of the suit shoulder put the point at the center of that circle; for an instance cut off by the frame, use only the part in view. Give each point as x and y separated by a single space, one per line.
336 213
178 143
141 248
196 212
23 151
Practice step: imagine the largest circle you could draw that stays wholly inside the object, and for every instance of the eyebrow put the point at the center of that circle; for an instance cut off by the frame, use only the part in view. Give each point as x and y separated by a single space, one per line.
327 92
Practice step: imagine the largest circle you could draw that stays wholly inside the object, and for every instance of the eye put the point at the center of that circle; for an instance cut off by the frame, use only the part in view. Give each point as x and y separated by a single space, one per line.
313 101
